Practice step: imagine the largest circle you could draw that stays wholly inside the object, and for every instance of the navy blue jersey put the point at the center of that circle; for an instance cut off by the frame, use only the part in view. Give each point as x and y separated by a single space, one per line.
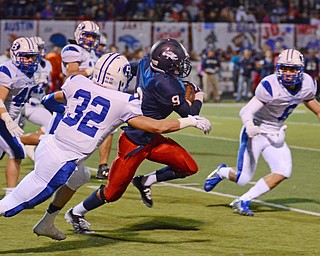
162 94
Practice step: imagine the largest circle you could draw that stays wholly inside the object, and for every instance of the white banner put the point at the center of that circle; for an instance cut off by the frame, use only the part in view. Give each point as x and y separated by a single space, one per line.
277 36
132 35
175 30
235 36
308 37
13 29
56 32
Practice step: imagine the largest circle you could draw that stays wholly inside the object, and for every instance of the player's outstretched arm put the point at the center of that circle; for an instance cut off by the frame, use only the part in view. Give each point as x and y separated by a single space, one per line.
54 102
314 106
169 125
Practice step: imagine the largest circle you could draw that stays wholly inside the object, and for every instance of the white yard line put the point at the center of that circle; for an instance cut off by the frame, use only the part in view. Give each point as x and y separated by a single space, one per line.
238 119
188 186
234 140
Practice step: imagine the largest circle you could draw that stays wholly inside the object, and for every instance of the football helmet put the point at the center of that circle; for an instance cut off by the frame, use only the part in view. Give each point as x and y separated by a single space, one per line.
102 47
40 43
83 31
24 54
170 56
112 71
293 59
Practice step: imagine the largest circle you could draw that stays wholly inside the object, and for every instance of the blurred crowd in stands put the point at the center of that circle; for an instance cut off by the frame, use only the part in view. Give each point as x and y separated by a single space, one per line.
247 65
261 11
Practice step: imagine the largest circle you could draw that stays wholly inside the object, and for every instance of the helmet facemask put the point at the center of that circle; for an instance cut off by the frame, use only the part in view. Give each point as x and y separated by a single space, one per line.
87 35
289 69
25 55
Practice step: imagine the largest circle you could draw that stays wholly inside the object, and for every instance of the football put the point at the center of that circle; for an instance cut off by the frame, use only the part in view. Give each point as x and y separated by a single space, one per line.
190 93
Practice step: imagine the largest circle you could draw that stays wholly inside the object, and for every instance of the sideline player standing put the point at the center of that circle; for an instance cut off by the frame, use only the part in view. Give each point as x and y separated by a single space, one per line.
276 97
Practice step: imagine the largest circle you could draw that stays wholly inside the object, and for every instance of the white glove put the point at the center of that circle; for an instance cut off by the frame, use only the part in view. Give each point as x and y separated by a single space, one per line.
252 130
201 123
12 126
89 71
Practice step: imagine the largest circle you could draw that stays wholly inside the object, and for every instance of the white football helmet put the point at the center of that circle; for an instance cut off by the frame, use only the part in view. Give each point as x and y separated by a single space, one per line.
85 29
293 59
40 42
24 54
112 71
102 47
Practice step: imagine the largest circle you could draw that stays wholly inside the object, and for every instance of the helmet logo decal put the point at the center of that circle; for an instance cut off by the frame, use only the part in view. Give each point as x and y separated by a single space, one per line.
15 46
126 70
170 55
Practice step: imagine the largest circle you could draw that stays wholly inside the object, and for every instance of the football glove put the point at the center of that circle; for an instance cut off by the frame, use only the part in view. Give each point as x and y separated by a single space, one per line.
201 123
252 130
11 125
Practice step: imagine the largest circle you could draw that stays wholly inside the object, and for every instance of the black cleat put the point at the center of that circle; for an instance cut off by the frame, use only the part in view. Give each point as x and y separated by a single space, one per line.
103 172
145 192
80 225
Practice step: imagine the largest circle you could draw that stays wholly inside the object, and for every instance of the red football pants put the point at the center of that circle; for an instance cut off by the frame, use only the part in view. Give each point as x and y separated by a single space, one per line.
162 150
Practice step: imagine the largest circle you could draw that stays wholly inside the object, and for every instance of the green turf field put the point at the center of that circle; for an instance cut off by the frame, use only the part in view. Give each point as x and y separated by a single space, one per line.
185 220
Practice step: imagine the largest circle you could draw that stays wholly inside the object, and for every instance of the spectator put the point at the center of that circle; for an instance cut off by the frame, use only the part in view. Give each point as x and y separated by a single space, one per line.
267 64
247 65
210 66
47 13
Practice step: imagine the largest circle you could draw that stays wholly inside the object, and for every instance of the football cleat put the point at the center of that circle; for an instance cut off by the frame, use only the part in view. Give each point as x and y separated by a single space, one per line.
43 228
242 207
213 178
80 225
103 172
145 192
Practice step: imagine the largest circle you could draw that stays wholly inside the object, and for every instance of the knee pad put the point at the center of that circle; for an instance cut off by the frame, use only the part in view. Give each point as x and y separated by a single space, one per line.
80 177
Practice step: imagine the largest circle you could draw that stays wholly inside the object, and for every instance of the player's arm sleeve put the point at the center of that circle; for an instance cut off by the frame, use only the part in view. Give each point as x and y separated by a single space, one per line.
247 112
54 102
184 109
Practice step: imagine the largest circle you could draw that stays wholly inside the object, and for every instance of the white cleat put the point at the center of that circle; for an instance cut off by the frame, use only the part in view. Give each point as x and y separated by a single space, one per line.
48 230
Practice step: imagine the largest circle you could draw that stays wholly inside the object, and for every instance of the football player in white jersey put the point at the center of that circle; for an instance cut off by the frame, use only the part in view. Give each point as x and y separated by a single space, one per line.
33 110
79 58
106 145
94 108
263 131
17 80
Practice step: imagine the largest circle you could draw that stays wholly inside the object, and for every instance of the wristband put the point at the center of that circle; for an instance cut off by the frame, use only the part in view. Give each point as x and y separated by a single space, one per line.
6 117
184 122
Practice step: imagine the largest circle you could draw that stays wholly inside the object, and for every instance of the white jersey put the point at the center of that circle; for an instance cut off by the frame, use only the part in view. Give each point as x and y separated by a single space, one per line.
279 102
75 53
42 76
92 113
20 87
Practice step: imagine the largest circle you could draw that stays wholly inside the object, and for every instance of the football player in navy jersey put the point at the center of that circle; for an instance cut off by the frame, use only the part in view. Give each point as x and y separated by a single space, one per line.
161 92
